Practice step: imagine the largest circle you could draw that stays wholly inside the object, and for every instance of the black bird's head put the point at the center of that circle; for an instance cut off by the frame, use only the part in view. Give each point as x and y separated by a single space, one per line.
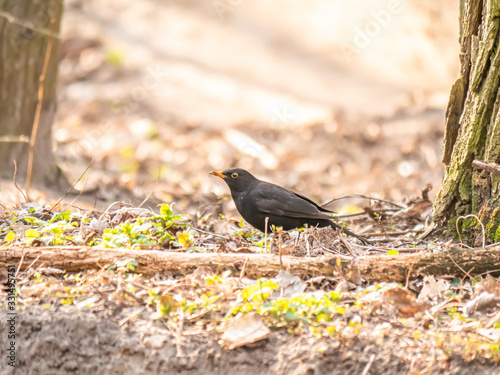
236 178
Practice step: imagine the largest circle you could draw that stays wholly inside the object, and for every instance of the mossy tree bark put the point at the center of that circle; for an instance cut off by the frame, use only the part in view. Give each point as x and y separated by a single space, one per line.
473 129
25 29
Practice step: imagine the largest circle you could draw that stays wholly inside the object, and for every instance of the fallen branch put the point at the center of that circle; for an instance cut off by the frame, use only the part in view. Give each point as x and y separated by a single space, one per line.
372 268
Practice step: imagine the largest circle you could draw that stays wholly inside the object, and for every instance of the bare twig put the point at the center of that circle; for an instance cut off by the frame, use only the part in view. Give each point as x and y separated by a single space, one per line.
31 264
178 334
456 264
325 248
81 192
242 273
368 365
363 213
15 139
38 111
488 272
152 191
495 318
465 217
209 233
410 269
364 197
72 186
490 167
347 245
378 220
400 233
19 265
15 183
129 318
27 25
111 205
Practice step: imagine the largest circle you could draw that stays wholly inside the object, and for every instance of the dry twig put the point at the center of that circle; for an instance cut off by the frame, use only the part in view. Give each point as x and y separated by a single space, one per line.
465 217
38 110
365 197
490 167
15 183
72 186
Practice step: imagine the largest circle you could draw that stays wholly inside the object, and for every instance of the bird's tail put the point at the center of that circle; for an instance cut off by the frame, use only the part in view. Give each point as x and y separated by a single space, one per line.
352 234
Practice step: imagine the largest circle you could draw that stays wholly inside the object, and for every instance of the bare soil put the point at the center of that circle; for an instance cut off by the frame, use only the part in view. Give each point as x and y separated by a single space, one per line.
66 341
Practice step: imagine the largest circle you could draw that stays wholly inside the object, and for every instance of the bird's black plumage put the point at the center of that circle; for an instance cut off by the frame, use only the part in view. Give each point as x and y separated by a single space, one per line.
256 200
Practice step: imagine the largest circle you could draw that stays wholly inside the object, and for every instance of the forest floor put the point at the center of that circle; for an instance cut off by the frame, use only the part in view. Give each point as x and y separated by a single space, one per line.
153 112
130 290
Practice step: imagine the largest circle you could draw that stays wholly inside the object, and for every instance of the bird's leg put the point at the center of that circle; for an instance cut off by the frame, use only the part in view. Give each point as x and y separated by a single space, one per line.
298 238
280 243
272 249
265 233
308 245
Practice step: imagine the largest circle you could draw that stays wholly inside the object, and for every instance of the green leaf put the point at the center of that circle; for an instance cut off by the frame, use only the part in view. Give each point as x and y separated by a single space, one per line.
31 233
340 310
166 210
290 315
57 231
132 264
11 236
64 216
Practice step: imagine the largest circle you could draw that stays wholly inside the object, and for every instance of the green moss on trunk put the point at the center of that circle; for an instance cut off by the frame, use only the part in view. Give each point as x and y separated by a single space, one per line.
473 129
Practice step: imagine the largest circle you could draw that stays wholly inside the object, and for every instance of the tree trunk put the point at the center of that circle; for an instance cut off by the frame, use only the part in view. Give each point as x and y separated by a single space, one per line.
473 129
24 36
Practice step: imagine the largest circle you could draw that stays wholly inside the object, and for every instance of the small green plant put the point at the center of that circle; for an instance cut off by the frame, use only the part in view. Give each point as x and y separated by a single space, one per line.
310 310
57 231
155 230
68 228
124 266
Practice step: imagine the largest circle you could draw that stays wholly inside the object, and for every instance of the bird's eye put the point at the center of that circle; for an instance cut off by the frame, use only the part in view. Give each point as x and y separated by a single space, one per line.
234 175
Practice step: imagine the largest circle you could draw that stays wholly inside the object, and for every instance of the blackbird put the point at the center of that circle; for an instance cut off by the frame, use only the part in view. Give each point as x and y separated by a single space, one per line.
256 200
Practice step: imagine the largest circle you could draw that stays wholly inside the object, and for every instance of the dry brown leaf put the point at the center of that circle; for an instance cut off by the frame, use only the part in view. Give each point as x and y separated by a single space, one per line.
244 330
404 301
432 288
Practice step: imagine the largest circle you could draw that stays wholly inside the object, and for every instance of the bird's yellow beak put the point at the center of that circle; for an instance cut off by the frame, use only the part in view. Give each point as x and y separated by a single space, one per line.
219 174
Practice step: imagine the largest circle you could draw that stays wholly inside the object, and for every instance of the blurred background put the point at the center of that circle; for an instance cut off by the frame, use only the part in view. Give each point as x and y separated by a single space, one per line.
325 97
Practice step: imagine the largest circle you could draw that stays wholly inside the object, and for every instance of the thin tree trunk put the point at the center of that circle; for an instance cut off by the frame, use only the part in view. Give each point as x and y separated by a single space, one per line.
24 35
473 128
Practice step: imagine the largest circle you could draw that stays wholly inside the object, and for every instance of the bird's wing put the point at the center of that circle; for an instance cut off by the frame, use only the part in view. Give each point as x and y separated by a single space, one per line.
275 200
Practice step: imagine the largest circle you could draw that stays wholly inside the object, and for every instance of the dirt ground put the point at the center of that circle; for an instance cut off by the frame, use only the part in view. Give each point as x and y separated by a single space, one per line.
327 98
65 340
85 344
